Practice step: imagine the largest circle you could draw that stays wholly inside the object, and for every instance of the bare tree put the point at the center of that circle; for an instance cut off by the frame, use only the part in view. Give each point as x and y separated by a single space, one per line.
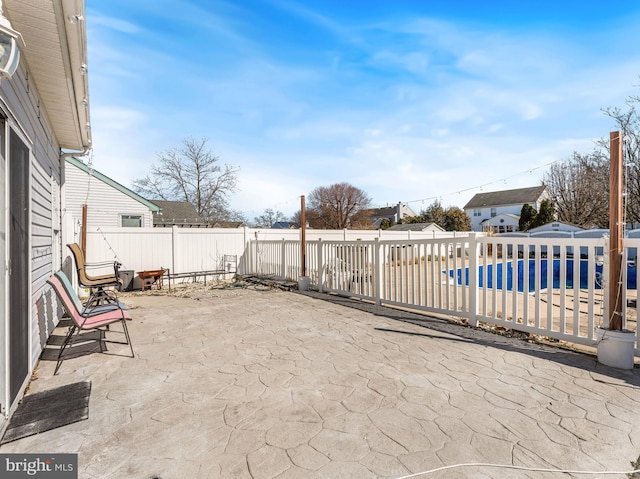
192 173
579 188
580 185
338 206
628 123
269 218
312 219
362 220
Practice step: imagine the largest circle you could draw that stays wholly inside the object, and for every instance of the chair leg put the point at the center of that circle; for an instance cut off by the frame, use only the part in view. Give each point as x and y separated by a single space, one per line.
68 342
126 335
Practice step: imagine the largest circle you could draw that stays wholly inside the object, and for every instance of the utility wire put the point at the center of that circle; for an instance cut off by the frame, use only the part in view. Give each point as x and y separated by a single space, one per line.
502 180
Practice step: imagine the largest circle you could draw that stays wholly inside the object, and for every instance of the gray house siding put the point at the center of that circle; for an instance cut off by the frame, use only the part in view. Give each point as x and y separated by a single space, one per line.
21 105
44 108
42 252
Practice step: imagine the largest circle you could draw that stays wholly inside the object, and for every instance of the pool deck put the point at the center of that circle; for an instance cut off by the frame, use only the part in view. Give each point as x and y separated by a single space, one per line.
249 383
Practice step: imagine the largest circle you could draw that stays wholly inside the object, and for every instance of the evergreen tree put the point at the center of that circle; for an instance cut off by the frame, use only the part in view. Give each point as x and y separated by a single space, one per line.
434 214
527 215
456 220
547 214
386 223
450 219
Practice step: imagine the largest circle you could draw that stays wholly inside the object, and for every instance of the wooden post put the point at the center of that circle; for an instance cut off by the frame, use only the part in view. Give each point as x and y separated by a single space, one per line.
615 232
83 240
303 238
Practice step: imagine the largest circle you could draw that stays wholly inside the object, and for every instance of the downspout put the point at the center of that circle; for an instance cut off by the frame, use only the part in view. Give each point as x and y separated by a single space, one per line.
85 151
70 16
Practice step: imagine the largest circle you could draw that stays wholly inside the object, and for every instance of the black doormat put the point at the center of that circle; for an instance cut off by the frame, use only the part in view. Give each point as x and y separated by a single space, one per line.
46 410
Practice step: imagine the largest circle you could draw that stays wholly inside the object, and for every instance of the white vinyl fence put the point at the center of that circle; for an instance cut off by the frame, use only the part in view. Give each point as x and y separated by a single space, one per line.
180 250
185 250
553 287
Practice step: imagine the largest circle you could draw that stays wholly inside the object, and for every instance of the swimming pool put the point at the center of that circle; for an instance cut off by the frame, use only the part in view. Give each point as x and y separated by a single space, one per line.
541 276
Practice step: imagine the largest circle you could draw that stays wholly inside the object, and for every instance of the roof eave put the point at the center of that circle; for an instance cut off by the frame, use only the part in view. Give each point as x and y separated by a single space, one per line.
55 54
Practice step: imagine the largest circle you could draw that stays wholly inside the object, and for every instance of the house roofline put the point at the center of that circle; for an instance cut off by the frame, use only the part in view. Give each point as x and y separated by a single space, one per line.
105 179
488 203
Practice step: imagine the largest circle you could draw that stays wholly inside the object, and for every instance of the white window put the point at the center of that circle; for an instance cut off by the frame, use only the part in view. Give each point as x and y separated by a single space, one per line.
477 212
131 221
493 212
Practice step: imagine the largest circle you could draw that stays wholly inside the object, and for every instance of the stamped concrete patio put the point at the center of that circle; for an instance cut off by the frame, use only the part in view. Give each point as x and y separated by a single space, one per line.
248 383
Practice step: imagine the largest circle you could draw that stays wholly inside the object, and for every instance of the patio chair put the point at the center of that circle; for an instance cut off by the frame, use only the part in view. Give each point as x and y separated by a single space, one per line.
84 310
97 283
83 322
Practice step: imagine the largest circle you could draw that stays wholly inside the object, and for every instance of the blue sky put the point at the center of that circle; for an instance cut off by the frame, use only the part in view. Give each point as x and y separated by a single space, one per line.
408 100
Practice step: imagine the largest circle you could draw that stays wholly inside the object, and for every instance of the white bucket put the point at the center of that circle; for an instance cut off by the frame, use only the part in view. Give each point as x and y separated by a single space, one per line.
616 348
303 283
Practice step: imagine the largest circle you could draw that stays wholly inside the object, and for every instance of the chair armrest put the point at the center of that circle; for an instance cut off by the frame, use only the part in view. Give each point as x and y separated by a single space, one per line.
99 264
103 264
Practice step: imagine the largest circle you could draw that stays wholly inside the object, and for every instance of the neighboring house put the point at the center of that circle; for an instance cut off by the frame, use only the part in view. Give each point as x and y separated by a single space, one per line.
391 213
283 225
502 223
44 115
177 213
592 233
227 224
485 206
416 227
555 226
109 204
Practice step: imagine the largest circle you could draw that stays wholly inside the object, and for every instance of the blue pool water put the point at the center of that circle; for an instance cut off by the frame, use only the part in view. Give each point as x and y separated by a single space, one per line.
541 276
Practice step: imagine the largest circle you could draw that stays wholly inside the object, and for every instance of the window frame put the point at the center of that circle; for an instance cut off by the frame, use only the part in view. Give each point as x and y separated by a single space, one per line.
131 217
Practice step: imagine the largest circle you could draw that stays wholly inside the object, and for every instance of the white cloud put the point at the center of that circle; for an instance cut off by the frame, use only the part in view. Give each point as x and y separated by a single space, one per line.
414 62
112 23
111 118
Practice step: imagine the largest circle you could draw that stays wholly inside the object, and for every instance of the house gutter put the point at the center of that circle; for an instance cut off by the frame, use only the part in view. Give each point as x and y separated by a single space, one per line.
84 152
